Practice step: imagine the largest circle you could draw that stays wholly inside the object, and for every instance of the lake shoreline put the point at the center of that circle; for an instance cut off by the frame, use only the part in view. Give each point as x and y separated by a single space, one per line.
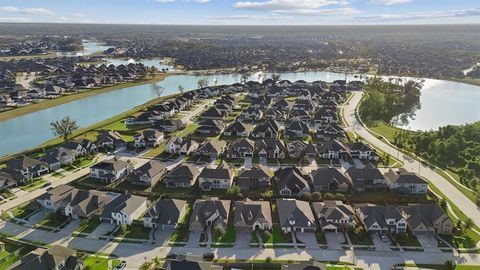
31 108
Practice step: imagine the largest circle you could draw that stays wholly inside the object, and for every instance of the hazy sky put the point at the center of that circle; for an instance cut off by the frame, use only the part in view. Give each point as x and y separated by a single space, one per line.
322 12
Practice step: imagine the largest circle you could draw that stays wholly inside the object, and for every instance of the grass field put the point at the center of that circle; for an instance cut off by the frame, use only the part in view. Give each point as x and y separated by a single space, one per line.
278 237
227 237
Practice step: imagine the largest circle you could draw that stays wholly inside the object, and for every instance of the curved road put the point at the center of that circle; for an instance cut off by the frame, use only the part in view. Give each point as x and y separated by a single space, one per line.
454 195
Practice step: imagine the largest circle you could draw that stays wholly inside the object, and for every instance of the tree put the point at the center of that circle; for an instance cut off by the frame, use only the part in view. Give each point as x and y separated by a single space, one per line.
244 78
219 231
316 196
234 191
203 82
328 196
157 90
180 89
64 128
468 223
275 77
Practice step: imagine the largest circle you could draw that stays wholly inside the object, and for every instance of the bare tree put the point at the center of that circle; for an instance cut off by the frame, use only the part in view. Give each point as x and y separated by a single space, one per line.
244 78
157 90
64 128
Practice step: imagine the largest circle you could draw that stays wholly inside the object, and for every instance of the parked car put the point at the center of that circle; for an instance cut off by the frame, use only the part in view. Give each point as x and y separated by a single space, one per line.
121 266
383 237
209 256
46 185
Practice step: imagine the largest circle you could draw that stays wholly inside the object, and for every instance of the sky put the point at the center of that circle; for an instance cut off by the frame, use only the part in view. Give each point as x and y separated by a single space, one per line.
242 12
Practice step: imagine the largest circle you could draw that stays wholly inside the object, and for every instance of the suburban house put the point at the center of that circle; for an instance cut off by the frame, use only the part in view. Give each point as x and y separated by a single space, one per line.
267 129
300 116
334 216
282 105
381 219
57 157
270 148
427 219
330 180
54 258
218 178
250 114
211 148
210 212
361 150
301 149
184 175
406 182
332 149
291 182
110 139
168 125
213 114
124 209
9 179
252 215
295 215
238 129
74 203
82 147
330 132
276 115
147 138
253 179
240 148
296 129
148 174
189 265
210 127
182 146
28 167
367 178
164 214
110 170
324 116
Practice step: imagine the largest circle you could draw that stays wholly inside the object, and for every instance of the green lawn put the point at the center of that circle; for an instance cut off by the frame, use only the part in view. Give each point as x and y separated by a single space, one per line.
155 151
8 194
277 236
95 263
189 129
136 231
405 239
227 237
36 183
88 226
180 235
83 161
461 240
53 220
387 131
360 237
22 211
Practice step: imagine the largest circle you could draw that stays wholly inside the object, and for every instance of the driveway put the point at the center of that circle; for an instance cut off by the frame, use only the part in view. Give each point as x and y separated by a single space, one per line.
193 238
308 238
162 236
242 239
334 240
35 218
429 243
379 244
102 229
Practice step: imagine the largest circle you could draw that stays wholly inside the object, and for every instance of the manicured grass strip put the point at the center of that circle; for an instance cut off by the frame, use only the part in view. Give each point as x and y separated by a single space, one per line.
95 263
88 226
227 237
53 220
278 236
33 185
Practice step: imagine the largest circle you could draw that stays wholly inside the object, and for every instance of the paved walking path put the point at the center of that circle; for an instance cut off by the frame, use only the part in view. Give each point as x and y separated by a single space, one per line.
410 164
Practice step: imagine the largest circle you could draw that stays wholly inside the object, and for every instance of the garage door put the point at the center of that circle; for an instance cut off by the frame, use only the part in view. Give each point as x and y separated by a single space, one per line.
420 232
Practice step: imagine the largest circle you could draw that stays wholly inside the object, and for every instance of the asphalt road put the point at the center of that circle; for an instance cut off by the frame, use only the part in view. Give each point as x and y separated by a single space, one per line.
461 201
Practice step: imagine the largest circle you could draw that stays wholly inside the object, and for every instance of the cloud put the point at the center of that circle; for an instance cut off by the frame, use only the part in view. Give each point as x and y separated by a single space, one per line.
193 1
15 19
164 1
11 9
423 15
200 1
389 2
300 7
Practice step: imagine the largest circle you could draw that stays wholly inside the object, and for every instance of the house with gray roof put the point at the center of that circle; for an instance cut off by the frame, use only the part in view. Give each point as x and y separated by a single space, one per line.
110 170
367 178
301 149
189 265
211 148
271 148
304 266
238 129
124 209
291 182
58 156
54 258
216 178
252 215
148 174
362 150
182 146
381 218
406 182
184 175
295 215
427 219
210 212
257 177
329 179
334 216
163 214
28 167
240 148
110 140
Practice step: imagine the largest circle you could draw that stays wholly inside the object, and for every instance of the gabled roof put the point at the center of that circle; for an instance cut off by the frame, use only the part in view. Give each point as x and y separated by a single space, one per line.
166 211
254 172
402 176
204 209
295 210
291 178
248 212
123 203
110 165
324 176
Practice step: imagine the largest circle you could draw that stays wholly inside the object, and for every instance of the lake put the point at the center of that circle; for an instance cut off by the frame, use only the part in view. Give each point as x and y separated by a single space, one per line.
443 102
